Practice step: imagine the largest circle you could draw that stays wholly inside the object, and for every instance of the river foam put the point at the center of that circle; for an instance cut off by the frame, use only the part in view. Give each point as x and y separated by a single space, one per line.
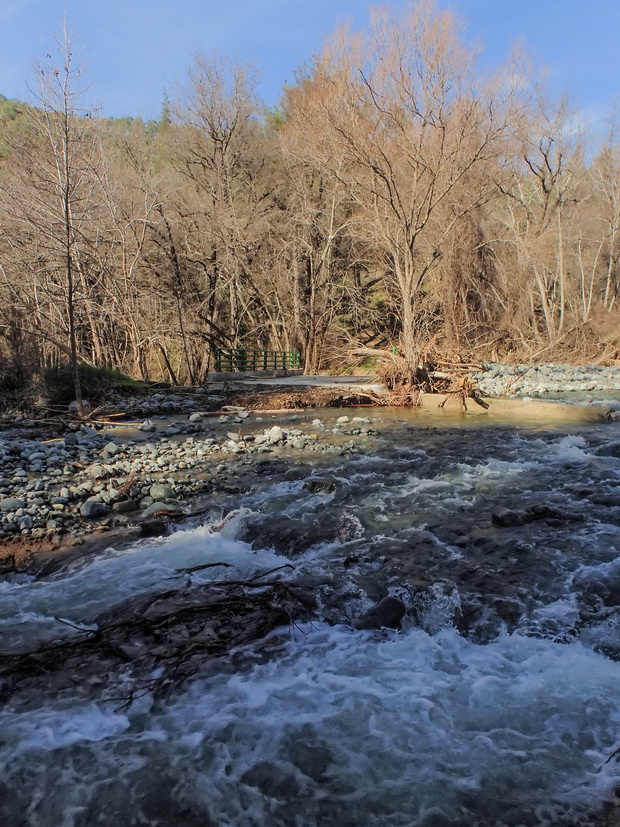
341 728
29 610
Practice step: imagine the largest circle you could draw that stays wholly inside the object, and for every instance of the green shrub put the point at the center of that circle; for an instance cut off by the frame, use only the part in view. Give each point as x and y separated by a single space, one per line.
97 383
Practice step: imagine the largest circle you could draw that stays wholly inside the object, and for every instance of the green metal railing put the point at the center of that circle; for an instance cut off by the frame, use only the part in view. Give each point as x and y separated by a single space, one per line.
236 359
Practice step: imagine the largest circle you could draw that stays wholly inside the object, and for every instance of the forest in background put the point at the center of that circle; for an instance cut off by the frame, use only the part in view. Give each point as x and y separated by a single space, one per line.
398 197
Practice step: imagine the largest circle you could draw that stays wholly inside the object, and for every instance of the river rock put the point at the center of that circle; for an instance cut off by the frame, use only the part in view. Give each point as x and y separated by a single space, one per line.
25 522
158 507
124 505
388 613
93 507
110 450
97 472
161 493
507 517
9 504
36 455
320 485
148 426
276 435
610 449
349 528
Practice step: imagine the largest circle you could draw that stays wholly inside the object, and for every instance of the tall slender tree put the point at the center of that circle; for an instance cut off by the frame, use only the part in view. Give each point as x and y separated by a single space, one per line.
52 198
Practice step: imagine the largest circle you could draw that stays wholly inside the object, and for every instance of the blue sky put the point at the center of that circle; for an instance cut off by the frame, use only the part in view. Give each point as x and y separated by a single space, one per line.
134 49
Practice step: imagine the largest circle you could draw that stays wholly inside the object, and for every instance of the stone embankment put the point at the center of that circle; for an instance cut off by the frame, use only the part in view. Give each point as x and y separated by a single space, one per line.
522 380
95 479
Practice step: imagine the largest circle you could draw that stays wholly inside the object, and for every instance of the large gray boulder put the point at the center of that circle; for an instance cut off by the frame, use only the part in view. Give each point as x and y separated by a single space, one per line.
276 435
161 493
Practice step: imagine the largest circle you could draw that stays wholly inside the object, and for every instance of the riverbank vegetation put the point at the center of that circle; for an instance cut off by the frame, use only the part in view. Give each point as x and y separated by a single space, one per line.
400 198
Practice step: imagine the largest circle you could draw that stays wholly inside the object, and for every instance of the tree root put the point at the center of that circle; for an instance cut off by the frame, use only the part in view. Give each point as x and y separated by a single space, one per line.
465 390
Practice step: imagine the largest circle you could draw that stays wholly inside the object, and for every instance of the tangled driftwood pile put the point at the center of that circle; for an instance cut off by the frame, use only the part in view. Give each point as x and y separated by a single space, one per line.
439 373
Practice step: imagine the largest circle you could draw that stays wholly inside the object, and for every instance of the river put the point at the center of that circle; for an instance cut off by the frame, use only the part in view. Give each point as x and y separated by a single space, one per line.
496 703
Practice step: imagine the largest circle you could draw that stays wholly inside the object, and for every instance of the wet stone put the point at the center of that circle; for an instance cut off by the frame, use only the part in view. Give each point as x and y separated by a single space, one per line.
388 613
506 517
320 485
158 507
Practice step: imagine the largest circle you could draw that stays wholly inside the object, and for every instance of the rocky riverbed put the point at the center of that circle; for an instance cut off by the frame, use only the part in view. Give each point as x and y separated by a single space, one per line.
100 478
519 380
241 664
97 478
141 679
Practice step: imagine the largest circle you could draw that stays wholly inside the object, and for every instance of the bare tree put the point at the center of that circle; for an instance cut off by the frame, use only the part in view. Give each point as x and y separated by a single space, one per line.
539 191
605 177
398 116
51 199
221 154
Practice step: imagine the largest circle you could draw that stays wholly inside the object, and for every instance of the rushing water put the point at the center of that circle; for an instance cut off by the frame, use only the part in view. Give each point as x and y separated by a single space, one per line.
497 703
